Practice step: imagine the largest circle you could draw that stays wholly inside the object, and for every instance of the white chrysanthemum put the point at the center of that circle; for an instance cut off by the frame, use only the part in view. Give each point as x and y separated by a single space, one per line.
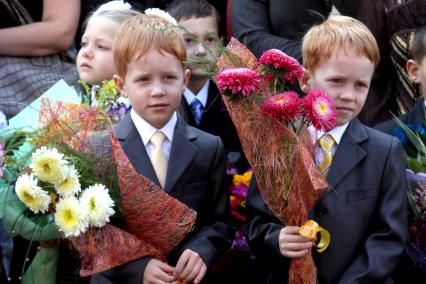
71 183
162 14
35 198
69 217
49 165
98 204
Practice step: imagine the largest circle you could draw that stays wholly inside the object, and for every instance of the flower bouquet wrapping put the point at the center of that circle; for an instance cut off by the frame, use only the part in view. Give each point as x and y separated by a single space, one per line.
413 139
70 179
271 125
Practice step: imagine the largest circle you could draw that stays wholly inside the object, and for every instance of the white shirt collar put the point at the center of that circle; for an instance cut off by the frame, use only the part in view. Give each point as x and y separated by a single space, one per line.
337 133
202 95
146 130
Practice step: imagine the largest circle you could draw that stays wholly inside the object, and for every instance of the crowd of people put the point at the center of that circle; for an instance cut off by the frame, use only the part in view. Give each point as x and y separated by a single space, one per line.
370 60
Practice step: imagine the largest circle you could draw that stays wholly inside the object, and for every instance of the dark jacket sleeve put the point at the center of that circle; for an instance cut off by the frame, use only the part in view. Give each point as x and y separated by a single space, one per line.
250 23
384 246
263 230
214 235
347 7
129 273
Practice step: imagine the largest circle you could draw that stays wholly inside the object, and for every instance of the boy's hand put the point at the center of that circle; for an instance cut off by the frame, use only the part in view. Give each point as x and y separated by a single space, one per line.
158 272
292 244
190 267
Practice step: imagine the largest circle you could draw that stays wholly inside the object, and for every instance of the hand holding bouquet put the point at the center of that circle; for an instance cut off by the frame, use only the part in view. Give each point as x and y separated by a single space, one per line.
272 125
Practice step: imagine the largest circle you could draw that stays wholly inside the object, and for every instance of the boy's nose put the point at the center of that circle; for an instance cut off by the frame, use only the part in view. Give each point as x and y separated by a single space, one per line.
157 90
200 49
348 94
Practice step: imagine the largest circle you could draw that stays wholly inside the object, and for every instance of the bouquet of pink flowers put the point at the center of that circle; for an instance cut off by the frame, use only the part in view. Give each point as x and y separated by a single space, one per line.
272 125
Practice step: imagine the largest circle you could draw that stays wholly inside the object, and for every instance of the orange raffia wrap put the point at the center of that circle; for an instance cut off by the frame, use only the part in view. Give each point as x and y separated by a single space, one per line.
288 179
155 222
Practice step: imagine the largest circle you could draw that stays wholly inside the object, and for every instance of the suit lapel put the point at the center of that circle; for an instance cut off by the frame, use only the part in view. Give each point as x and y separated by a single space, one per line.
349 153
181 153
134 148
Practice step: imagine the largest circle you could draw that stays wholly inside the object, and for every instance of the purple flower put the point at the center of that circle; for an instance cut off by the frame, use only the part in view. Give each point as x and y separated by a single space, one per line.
118 111
239 242
240 191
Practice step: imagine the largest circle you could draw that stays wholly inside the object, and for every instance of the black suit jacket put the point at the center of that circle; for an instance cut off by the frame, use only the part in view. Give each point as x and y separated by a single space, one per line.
266 24
364 211
195 176
415 116
215 119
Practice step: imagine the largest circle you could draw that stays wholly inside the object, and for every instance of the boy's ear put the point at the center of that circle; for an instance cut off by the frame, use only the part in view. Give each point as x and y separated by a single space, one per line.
413 70
121 86
186 76
305 80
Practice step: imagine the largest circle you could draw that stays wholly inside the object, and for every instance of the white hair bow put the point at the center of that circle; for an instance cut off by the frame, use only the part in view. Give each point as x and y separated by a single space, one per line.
113 5
162 14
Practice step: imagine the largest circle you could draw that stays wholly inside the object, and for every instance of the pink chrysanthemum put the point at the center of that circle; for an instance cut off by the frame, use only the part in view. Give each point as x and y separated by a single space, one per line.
281 61
283 107
319 110
238 80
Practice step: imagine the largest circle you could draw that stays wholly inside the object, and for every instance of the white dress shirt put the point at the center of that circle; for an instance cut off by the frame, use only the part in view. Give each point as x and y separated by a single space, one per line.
337 134
146 131
202 95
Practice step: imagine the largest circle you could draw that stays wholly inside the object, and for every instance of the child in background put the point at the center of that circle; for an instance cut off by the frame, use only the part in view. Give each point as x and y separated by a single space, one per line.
416 69
202 105
94 64
149 55
94 60
407 271
365 208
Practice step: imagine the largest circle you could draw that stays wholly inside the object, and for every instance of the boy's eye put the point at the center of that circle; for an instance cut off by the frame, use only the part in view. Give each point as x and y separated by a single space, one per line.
142 79
169 77
188 40
83 44
361 85
336 81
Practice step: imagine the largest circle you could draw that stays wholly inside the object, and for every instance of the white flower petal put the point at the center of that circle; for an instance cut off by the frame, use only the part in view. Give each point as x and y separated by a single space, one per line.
98 204
69 218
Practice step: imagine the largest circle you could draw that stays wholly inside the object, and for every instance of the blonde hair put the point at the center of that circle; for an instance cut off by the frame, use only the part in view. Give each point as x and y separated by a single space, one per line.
138 35
340 32
118 16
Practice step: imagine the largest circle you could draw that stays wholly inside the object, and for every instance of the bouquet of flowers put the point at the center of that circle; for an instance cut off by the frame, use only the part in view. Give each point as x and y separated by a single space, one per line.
106 97
257 98
69 178
413 139
238 195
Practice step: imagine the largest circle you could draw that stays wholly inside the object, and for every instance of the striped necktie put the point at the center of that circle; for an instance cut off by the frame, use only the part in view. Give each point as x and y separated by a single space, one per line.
326 142
197 110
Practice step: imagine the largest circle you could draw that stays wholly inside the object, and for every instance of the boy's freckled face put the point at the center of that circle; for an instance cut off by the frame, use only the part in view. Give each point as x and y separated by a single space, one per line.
95 60
345 77
154 84
200 30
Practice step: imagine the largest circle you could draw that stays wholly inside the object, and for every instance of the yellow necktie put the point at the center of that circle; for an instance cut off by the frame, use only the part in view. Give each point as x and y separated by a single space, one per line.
326 143
158 160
